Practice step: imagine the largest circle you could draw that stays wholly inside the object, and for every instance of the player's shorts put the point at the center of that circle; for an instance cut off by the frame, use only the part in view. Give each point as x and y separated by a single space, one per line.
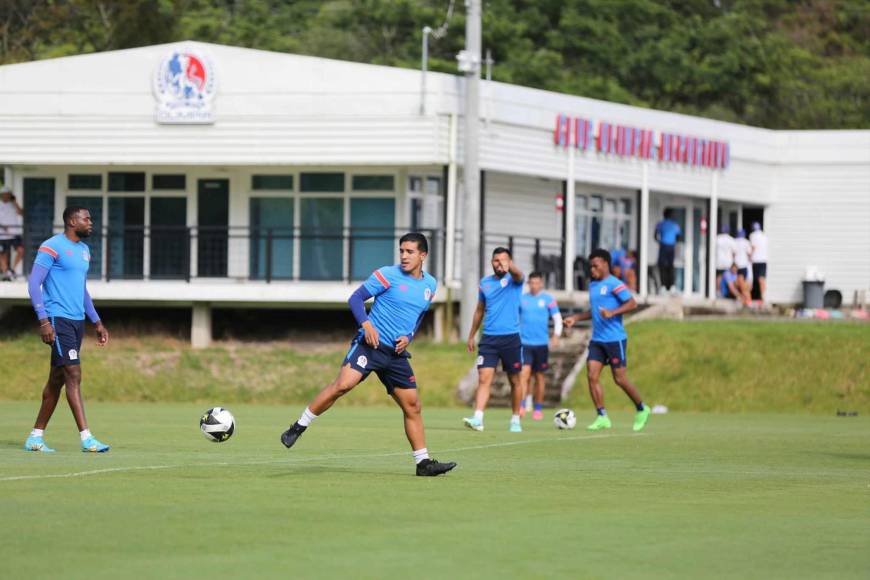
743 272
393 369
536 356
10 244
507 348
68 336
759 270
614 354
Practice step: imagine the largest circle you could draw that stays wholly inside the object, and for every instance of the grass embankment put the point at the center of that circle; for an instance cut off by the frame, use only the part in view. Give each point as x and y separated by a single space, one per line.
711 365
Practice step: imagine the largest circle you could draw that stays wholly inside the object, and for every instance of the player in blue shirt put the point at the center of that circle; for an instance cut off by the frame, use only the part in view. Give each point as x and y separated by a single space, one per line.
609 299
536 309
402 296
498 307
667 234
59 295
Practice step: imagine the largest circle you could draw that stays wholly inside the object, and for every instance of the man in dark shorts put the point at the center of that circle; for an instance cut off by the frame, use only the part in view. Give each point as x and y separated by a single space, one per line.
11 245
498 307
609 299
402 296
60 298
536 309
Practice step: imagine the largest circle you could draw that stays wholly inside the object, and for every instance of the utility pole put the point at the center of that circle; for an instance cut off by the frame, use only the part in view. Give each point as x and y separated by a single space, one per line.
469 63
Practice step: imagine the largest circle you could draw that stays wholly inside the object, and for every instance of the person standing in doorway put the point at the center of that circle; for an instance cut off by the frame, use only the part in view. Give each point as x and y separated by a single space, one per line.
724 255
758 241
11 246
742 257
668 233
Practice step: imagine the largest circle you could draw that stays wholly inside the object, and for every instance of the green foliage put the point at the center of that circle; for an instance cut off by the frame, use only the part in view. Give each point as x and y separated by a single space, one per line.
801 64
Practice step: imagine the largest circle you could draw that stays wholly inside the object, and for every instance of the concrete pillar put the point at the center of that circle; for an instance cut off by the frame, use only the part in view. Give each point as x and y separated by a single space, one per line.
438 323
200 325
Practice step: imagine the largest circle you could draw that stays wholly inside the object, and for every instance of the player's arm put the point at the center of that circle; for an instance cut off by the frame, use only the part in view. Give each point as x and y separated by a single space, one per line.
34 287
357 302
516 274
475 323
556 315
575 318
91 313
628 303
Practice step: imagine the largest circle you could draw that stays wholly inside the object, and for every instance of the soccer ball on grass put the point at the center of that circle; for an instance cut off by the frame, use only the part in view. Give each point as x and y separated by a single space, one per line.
564 419
217 424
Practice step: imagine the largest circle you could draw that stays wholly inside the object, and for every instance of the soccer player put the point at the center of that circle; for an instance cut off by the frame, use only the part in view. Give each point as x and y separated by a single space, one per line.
536 309
59 294
609 299
667 234
498 307
402 296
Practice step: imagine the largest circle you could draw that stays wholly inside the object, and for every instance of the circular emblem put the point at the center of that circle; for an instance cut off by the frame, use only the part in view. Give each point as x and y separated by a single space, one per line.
541 303
184 84
603 290
503 282
362 361
86 256
427 294
480 360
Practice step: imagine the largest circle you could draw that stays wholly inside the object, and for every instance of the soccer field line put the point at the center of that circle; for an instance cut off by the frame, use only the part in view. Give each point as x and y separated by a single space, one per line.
293 461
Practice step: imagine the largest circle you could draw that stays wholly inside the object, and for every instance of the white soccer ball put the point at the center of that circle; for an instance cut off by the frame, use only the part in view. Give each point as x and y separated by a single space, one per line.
565 419
217 424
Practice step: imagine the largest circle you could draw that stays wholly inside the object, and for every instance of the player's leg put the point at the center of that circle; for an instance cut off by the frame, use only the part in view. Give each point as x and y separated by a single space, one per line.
19 257
540 381
593 376
72 376
516 401
485 375
525 386
348 377
50 397
620 377
409 401
5 253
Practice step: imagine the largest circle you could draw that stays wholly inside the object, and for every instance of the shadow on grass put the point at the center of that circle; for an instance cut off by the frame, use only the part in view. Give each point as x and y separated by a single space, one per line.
298 470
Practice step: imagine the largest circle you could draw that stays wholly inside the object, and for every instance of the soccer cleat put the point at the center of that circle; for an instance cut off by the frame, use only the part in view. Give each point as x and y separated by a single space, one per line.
538 415
600 422
289 437
515 427
431 468
640 418
91 445
473 423
37 444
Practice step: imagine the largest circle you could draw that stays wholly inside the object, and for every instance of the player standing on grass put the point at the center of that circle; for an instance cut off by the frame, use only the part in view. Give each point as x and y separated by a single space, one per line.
402 296
609 299
536 309
59 294
498 307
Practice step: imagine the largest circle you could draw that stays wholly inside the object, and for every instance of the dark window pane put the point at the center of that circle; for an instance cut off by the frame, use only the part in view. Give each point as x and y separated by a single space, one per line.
127 181
38 215
213 211
281 182
126 244
170 245
373 237
373 183
176 182
92 182
272 237
322 182
322 255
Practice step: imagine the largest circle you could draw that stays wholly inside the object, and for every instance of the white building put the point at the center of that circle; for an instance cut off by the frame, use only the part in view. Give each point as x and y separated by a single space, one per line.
230 176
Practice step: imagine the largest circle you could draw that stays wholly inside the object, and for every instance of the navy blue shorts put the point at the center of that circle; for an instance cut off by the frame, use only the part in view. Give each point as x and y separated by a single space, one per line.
393 369
508 348
759 270
537 357
68 336
614 354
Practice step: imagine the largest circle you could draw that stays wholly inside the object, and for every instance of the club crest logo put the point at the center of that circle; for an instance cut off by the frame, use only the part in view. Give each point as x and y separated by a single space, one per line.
480 360
73 355
362 361
541 303
427 294
185 85
503 282
603 290
86 256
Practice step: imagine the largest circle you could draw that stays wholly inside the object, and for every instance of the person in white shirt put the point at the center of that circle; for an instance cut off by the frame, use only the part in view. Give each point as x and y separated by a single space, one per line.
10 234
758 240
724 254
742 257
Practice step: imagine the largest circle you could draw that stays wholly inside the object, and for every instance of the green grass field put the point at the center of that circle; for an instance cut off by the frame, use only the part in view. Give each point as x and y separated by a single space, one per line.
695 495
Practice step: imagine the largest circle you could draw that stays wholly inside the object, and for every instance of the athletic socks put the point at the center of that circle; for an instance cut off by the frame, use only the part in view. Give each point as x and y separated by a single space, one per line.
639 406
420 455
306 418
85 434
539 406
478 415
37 432
602 412
515 418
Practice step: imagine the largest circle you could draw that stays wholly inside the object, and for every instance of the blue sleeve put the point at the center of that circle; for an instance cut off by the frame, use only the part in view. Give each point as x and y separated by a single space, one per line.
433 290
481 296
34 286
552 305
377 283
622 293
357 303
658 229
46 256
520 283
90 311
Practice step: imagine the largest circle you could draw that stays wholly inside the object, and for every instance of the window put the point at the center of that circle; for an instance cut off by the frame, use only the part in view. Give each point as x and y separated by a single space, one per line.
127 181
373 183
603 222
171 182
273 182
91 182
322 182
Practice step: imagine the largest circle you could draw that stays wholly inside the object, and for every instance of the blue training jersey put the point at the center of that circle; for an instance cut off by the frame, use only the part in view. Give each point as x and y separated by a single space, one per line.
609 294
501 299
668 231
64 287
400 301
535 313
727 276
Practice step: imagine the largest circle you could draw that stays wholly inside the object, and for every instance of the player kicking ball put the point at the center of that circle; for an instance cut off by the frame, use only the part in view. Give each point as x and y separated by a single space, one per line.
609 299
59 294
402 296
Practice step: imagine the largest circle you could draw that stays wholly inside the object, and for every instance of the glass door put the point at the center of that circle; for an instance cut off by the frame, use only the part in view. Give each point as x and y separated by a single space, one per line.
322 244
272 237
213 212
94 205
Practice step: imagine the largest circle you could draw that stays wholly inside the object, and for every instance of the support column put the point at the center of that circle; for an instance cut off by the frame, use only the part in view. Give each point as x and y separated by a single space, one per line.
438 324
713 225
643 242
568 206
200 325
